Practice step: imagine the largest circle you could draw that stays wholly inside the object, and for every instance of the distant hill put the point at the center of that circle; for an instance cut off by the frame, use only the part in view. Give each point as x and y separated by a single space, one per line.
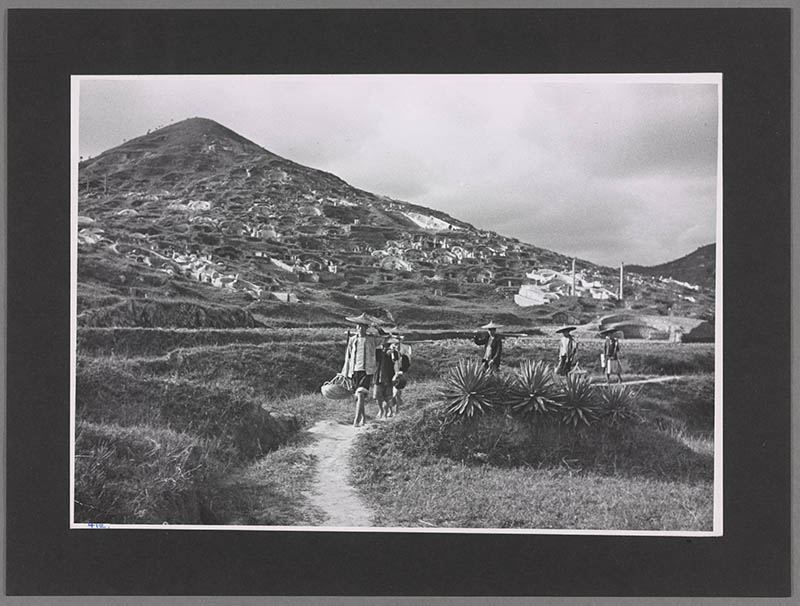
698 267
194 225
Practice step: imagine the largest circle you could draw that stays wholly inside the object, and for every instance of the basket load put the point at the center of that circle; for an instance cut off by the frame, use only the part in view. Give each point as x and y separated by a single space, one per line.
338 388
399 380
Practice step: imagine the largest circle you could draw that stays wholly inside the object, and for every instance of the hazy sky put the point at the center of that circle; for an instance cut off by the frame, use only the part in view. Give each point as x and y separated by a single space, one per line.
595 167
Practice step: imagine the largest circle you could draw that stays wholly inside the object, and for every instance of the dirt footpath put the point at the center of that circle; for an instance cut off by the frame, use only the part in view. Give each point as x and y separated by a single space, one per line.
640 381
331 490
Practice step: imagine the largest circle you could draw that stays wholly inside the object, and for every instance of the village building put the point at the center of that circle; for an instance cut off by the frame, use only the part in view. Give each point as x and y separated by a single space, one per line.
306 210
414 256
202 220
391 262
507 279
199 205
234 228
443 256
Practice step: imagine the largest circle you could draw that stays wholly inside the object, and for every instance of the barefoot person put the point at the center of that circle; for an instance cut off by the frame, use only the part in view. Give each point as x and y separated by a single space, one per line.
360 361
400 363
567 350
610 356
384 374
493 349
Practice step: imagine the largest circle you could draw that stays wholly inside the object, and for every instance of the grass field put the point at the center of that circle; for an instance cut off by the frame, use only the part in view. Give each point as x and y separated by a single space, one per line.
204 426
499 472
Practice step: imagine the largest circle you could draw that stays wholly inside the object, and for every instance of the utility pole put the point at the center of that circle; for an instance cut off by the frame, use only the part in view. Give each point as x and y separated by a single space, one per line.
573 276
621 277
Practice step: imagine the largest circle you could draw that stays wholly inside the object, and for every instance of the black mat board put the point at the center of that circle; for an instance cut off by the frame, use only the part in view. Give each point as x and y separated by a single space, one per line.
750 47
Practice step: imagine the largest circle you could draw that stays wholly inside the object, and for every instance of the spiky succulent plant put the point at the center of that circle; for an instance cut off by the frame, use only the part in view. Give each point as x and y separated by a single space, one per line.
618 404
578 403
503 383
533 392
468 389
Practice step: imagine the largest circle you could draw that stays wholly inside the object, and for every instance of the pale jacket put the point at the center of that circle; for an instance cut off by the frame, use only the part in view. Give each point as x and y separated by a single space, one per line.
371 344
567 347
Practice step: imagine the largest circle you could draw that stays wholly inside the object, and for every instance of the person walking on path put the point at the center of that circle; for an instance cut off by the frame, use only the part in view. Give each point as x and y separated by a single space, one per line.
400 355
384 375
493 349
609 359
567 350
360 361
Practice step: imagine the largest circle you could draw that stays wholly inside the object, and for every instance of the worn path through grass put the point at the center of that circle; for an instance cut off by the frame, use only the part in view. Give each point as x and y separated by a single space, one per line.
331 491
640 381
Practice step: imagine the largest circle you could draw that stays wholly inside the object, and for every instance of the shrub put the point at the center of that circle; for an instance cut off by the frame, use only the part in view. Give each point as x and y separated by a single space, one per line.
577 404
468 389
534 393
618 405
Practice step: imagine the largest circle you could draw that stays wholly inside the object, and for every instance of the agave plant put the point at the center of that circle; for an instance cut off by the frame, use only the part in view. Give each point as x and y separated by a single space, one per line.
618 404
534 392
578 400
468 389
504 384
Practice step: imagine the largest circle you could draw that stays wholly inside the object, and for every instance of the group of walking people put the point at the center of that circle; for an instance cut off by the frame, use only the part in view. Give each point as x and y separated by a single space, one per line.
375 362
567 350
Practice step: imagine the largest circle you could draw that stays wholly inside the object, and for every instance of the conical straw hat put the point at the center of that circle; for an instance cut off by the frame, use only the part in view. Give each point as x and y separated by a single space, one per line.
492 324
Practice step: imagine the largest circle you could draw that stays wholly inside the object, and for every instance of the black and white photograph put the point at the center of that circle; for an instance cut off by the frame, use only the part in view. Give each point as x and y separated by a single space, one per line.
472 303
399 302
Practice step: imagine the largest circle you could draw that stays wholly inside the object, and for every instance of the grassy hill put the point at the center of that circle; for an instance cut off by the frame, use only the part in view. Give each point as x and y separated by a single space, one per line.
212 229
698 267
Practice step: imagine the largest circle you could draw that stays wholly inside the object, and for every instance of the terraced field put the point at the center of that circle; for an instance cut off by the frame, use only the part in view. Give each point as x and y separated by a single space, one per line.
211 425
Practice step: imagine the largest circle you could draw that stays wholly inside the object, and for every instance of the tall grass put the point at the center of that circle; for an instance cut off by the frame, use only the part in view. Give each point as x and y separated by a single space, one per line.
268 492
445 494
506 471
167 313
139 474
685 405
160 341
109 393
204 398
264 373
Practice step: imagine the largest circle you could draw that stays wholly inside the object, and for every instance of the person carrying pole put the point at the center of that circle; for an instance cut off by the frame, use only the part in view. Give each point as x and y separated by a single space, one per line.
609 359
493 349
401 359
390 377
360 361
567 351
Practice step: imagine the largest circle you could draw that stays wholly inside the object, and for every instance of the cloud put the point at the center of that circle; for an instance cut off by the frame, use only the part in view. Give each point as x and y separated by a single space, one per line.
628 129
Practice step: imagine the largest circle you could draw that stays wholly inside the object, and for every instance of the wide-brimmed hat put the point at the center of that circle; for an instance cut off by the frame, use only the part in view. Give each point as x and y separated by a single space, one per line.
608 331
363 319
395 339
566 329
492 324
